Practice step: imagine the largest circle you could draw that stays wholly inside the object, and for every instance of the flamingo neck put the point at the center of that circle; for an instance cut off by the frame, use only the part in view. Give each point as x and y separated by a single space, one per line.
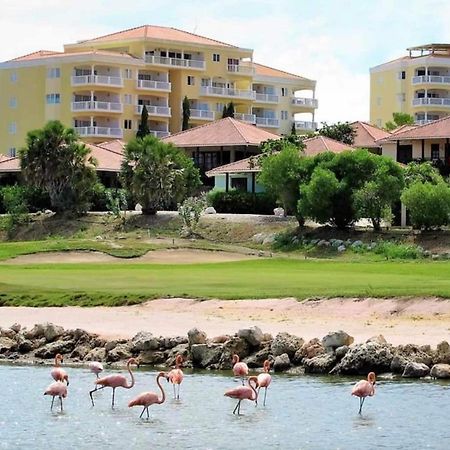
163 398
131 375
235 359
57 363
177 363
254 393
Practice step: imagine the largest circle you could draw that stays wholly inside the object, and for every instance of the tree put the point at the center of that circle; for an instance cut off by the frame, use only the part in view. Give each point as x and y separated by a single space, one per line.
293 130
190 211
399 119
55 162
186 113
422 172
342 132
143 129
158 174
228 110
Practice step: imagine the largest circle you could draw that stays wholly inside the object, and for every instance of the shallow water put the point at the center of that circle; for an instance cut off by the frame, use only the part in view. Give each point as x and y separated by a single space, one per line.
301 413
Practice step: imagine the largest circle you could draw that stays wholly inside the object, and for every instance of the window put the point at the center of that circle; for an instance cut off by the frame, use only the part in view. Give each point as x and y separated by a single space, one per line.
54 72
128 99
402 75
190 80
128 73
240 184
53 99
284 115
127 124
284 92
13 77
12 128
233 62
434 152
216 57
13 102
12 152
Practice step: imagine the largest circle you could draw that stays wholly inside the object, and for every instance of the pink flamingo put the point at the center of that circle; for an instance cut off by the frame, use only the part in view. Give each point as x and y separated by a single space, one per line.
96 367
175 376
364 388
57 389
147 399
57 373
243 393
115 381
264 379
240 369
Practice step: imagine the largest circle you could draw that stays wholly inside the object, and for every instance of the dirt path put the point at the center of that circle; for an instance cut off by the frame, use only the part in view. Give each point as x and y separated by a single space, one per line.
401 321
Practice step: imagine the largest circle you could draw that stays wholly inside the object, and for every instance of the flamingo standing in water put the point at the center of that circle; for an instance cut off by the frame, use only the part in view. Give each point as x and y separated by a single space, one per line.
57 373
175 376
57 389
96 367
364 388
115 381
147 399
264 379
240 369
243 393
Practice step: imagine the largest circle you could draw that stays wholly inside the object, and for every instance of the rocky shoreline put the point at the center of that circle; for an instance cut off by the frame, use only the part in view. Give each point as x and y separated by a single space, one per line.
335 353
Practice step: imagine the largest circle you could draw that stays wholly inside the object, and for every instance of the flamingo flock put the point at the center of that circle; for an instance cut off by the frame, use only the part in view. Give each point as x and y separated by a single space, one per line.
250 391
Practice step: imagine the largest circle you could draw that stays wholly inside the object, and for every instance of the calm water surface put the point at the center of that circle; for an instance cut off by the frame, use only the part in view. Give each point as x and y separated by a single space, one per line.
302 413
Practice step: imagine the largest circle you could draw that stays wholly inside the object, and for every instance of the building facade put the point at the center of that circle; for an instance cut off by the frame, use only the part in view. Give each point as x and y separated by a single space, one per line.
99 87
417 84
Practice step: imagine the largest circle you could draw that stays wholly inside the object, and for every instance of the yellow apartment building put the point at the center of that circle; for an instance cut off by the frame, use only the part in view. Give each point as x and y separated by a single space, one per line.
417 84
99 87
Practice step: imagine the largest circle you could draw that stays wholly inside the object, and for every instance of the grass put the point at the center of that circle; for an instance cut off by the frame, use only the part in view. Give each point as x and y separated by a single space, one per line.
120 284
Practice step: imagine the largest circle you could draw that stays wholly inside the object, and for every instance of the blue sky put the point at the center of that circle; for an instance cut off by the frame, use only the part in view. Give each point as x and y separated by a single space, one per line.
333 42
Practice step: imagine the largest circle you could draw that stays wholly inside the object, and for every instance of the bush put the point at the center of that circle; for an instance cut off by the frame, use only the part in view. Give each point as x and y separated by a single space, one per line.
428 204
15 205
240 202
190 211
392 250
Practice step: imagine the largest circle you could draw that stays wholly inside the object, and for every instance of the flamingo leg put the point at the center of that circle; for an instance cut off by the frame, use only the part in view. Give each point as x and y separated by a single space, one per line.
93 390
361 403
60 399
142 412
178 394
243 382
236 407
53 399
114 392
148 416
265 394
174 392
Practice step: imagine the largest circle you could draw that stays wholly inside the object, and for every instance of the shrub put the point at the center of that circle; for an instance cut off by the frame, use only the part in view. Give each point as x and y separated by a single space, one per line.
14 202
241 202
392 250
190 211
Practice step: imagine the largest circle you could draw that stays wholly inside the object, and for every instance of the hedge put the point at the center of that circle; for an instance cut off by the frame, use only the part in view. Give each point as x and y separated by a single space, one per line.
241 202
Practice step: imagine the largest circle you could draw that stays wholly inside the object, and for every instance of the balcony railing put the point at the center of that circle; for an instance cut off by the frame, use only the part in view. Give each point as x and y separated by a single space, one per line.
102 80
266 98
159 134
202 114
100 132
306 126
97 106
431 101
423 121
226 92
431 79
267 122
154 110
154 85
249 118
307 102
175 62
243 69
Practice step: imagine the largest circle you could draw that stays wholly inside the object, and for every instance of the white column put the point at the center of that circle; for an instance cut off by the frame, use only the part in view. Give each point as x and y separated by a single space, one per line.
92 121
403 216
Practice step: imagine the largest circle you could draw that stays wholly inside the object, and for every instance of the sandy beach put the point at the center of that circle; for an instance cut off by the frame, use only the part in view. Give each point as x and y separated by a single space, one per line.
400 321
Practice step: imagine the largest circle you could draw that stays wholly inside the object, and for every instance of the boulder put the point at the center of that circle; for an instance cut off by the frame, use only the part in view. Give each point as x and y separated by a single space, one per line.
25 346
16 327
80 352
340 352
172 342
204 355
119 352
443 353
357 244
341 248
380 339
111 345
282 362
257 359
36 332
144 341
7 345
253 335
415 370
8 333
258 238
398 364
210 210
323 243
440 371
96 354
336 339
181 349
286 343
320 364
279 212
152 357
220 339
336 243
195 336
235 345
414 353
269 239
52 331
310 349
52 348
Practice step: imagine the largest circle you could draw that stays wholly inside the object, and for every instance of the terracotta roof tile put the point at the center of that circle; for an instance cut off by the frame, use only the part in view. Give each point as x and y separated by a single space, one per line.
9 164
36 55
42 54
115 145
267 71
221 132
367 135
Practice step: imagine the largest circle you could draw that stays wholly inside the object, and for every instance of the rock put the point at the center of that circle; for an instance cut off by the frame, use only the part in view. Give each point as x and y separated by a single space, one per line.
281 362
435 257
337 243
286 343
341 248
357 244
80 352
36 332
364 358
144 341
314 241
138 207
221 339
269 239
414 353
96 354
398 364
119 352
415 370
323 243
340 352
320 364
210 210
48 211
8 333
99 238
51 349
336 339
25 346
267 337
258 238
151 357
235 345
16 327
380 339
182 349
204 355
443 353
309 349
257 359
7 345
172 342
253 335
51 331
279 212
195 336
440 371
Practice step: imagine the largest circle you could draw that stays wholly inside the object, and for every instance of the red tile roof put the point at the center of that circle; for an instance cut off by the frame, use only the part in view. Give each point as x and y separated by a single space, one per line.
223 132
402 128
9 164
271 72
36 55
42 54
157 32
367 135
115 145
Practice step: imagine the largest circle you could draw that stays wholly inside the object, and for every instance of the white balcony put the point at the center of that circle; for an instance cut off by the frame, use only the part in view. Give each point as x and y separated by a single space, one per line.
175 62
202 114
243 69
97 106
214 91
305 102
99 132
431 79
266 98
248 118
267 122
431 101
305 126
423 121
151 85
162 111
97 80
159 134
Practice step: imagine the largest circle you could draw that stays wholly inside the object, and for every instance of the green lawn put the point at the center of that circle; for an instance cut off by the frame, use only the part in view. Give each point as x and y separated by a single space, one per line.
115 284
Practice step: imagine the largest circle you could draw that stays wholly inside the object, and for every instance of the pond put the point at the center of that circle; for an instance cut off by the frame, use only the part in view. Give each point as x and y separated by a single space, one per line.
302 412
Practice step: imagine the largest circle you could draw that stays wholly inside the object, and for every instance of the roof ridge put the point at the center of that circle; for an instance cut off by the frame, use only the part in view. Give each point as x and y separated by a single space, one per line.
204 37
196 127
234 123
111 34
280 70
425 125
36 52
